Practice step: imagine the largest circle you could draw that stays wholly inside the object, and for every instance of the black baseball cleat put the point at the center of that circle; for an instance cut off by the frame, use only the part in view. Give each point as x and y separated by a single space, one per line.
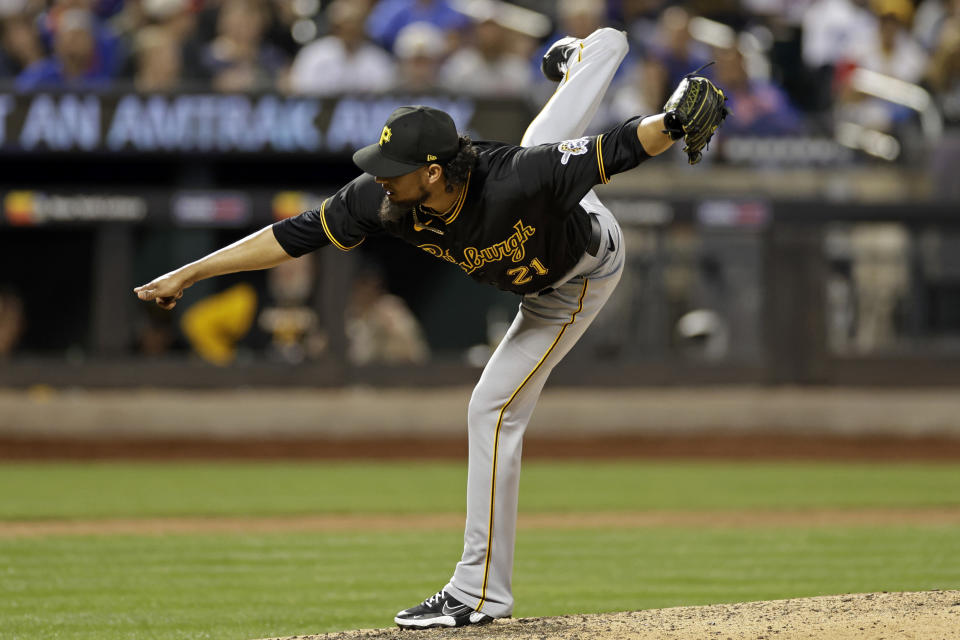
555 60
440 610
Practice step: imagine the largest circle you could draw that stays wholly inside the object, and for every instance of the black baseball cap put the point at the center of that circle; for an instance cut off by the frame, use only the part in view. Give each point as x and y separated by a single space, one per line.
412 137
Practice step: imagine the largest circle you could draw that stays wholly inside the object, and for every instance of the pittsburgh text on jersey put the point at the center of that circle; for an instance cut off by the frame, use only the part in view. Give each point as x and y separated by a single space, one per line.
512 247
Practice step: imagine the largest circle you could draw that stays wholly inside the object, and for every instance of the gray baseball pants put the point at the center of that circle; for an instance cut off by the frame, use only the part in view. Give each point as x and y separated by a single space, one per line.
545 329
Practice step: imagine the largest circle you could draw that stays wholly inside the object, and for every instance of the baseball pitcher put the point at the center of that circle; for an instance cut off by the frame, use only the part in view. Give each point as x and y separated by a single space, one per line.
524 219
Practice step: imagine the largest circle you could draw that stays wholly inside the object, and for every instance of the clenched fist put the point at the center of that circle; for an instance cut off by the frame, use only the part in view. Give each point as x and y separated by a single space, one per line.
165 290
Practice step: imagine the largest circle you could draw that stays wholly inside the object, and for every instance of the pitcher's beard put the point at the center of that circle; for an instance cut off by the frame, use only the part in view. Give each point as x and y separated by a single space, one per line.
391 211
395 211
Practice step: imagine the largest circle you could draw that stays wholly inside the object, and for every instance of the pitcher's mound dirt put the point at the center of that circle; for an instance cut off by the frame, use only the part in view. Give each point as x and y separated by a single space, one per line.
926 615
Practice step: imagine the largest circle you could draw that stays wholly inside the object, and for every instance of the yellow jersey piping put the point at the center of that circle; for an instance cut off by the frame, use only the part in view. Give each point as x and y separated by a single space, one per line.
603 172
460 201
496 440
326 230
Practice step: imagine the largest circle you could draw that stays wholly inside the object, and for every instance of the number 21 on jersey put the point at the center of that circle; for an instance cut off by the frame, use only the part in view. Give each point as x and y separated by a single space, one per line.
521 275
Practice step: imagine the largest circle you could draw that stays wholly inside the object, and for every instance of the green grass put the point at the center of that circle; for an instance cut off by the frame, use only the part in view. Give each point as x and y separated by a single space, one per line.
239 586
39 491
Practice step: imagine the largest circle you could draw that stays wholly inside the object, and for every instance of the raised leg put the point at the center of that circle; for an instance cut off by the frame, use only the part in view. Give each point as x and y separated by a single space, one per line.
590 68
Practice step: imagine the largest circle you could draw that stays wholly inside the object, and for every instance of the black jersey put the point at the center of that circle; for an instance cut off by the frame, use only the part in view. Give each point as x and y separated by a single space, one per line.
517 225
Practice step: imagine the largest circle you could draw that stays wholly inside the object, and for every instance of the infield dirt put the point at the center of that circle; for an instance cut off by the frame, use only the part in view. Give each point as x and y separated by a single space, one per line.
925 615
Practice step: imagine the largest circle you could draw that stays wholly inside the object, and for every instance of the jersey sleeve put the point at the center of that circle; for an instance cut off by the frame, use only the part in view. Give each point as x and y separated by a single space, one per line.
344 220
569 169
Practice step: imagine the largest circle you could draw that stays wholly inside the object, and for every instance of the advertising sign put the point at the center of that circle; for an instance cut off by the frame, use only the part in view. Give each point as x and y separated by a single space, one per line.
226 123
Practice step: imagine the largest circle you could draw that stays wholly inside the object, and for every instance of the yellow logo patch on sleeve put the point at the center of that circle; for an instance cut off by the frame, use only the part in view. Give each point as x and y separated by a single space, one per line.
569 148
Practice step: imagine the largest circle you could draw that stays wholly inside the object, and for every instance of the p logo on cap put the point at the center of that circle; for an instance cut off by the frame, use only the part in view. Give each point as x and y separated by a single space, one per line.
413 133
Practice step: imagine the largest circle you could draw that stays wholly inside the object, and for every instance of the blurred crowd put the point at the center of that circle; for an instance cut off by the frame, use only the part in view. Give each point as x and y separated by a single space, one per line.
779 60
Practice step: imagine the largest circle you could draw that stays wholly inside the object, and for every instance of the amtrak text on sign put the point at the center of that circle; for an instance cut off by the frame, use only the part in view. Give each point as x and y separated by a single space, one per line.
225 123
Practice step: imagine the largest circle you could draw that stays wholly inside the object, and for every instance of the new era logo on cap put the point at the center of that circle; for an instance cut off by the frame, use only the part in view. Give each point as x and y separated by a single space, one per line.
412 137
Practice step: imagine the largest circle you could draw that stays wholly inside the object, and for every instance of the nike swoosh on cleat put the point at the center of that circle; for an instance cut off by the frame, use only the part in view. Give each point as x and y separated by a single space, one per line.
447 611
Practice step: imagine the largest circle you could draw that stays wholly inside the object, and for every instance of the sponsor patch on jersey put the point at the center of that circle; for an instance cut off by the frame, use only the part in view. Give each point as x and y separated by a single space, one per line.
569 148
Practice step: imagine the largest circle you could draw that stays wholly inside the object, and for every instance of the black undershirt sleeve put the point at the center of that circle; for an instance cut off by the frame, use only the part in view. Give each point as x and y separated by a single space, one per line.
571 168
344 220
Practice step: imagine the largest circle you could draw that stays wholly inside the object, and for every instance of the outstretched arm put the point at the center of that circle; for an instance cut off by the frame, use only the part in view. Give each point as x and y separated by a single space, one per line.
653 135
259 250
